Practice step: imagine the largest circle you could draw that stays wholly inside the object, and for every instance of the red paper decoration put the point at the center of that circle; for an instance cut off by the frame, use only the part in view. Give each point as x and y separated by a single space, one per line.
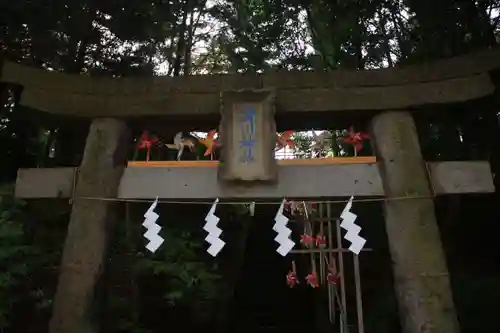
355 139
312 280
291 277
146 142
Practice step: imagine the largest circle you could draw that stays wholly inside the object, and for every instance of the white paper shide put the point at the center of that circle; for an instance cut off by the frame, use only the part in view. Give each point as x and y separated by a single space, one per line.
352 235
284 233
214 232
153 229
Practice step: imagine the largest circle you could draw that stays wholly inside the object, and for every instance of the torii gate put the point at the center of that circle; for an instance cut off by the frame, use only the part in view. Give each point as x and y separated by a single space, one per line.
421 275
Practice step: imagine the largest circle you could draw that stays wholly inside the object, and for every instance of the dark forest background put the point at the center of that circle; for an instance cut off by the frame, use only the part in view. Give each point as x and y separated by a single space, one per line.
180 287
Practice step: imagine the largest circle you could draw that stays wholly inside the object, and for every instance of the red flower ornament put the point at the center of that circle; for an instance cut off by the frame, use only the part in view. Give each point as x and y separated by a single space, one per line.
285 140
320 241
333 277
307 240
355 139
210 143
291 277
146 142
312 280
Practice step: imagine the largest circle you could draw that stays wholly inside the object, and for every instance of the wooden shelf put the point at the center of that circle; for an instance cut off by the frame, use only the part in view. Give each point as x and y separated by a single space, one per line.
295 161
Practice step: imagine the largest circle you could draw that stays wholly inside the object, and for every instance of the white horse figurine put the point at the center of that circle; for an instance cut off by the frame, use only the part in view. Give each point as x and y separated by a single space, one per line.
180 143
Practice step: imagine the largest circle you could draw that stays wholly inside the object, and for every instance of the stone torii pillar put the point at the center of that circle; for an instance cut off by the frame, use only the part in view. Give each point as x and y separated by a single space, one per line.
104 160
419 265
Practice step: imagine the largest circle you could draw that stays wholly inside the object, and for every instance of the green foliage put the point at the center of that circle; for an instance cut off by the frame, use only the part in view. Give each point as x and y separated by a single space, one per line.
335 146
260 35
470 289
190 280
303 144
13 251
17 257
177 277
139 38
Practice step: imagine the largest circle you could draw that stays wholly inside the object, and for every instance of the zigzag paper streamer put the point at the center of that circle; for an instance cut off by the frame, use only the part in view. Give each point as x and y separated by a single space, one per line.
251 208
214 232
352 235
153 229
283 237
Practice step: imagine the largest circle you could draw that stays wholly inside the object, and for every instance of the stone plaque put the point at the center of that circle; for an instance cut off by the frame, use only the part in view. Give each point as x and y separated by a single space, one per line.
248 136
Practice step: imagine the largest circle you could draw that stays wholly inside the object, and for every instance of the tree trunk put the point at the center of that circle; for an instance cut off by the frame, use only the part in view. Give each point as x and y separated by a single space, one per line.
420 272
181 43
86 240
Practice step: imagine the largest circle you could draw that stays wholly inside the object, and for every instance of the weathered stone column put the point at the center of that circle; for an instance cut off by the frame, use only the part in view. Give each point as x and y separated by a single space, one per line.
420 273
102 166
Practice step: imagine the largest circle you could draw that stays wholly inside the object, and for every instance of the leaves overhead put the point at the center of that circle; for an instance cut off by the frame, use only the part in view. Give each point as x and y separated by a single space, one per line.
118 38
